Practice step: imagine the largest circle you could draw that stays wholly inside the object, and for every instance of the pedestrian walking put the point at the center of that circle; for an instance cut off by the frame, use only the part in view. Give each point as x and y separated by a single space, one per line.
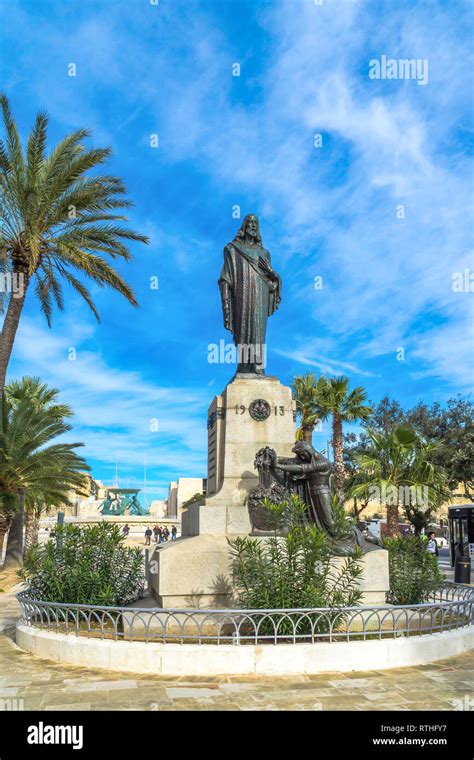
432 545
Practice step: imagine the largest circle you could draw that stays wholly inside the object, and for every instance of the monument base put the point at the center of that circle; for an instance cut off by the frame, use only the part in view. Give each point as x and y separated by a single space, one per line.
195 573
251 412
192 573
203 519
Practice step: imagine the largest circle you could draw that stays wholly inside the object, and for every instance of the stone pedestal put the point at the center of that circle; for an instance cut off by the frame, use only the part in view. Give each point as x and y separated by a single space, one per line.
195 572
192 572
251 412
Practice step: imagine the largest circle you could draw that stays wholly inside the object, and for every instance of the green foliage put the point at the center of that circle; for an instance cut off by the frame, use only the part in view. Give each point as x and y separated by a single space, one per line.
333 397
452 427
414 572
85 565
317 399
193 499
397 468
59 222
343 523
304 393
31 459
294 570
286 514
8 503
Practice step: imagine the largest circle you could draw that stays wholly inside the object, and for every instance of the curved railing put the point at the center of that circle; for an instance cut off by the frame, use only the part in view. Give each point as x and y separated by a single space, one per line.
451 607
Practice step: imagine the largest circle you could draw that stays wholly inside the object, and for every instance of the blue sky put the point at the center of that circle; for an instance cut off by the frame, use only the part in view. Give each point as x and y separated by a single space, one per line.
328 211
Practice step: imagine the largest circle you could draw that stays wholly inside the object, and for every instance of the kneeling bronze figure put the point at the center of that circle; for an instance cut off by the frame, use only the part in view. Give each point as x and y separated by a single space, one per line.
308 475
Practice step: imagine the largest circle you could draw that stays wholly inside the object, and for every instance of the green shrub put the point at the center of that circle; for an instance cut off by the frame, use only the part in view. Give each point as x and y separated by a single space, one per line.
193 499
414 572
294 570
85 565
343 522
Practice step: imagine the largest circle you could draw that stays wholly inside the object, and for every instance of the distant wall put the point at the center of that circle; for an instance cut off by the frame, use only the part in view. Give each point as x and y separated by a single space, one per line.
186 488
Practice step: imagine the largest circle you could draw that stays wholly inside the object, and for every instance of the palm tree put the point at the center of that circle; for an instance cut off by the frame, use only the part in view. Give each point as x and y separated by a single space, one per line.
32 523
333 397
32 467
57 221
304 392
8 507
397 467
36 504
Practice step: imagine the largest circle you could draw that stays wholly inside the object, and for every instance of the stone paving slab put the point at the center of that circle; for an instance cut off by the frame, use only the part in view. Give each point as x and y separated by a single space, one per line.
44 685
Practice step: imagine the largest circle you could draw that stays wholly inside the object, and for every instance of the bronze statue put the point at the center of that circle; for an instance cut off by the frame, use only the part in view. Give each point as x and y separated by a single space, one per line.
250 292
270 488
308 476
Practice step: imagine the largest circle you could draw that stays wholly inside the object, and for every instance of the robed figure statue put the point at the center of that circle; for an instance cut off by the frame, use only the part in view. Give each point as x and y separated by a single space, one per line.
250 292
308 476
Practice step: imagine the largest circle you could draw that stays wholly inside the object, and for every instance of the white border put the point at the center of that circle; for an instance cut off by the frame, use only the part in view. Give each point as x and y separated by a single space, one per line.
227 659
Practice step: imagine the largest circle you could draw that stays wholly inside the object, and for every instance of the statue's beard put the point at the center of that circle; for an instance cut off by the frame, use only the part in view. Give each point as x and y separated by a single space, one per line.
250 239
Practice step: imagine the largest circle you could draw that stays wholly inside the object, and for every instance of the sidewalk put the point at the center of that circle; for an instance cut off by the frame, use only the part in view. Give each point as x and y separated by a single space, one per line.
36 684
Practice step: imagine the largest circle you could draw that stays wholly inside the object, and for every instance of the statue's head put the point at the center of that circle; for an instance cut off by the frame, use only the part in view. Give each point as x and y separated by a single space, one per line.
265 458
303 450
250 230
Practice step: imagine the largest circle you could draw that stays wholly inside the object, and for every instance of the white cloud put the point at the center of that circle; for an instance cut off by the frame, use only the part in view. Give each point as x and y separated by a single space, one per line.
116 410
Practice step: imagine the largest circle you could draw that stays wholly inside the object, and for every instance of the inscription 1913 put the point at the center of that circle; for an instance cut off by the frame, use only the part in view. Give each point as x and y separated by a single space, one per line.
277 410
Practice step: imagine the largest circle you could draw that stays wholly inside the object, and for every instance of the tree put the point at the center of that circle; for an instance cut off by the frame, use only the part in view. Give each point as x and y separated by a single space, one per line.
353 446
453 426
32 467
8 506
304 393
36 505
398 469
32 524
333 397
386 414
57 221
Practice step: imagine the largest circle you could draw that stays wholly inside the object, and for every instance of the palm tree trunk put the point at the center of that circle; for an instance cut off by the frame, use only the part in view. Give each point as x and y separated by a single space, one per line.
32 521
356 509
338 457
10 326
308 434
14 553
5 522
392 520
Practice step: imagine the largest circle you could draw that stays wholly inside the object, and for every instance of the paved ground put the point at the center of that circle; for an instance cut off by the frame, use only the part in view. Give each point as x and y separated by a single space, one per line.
41 684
